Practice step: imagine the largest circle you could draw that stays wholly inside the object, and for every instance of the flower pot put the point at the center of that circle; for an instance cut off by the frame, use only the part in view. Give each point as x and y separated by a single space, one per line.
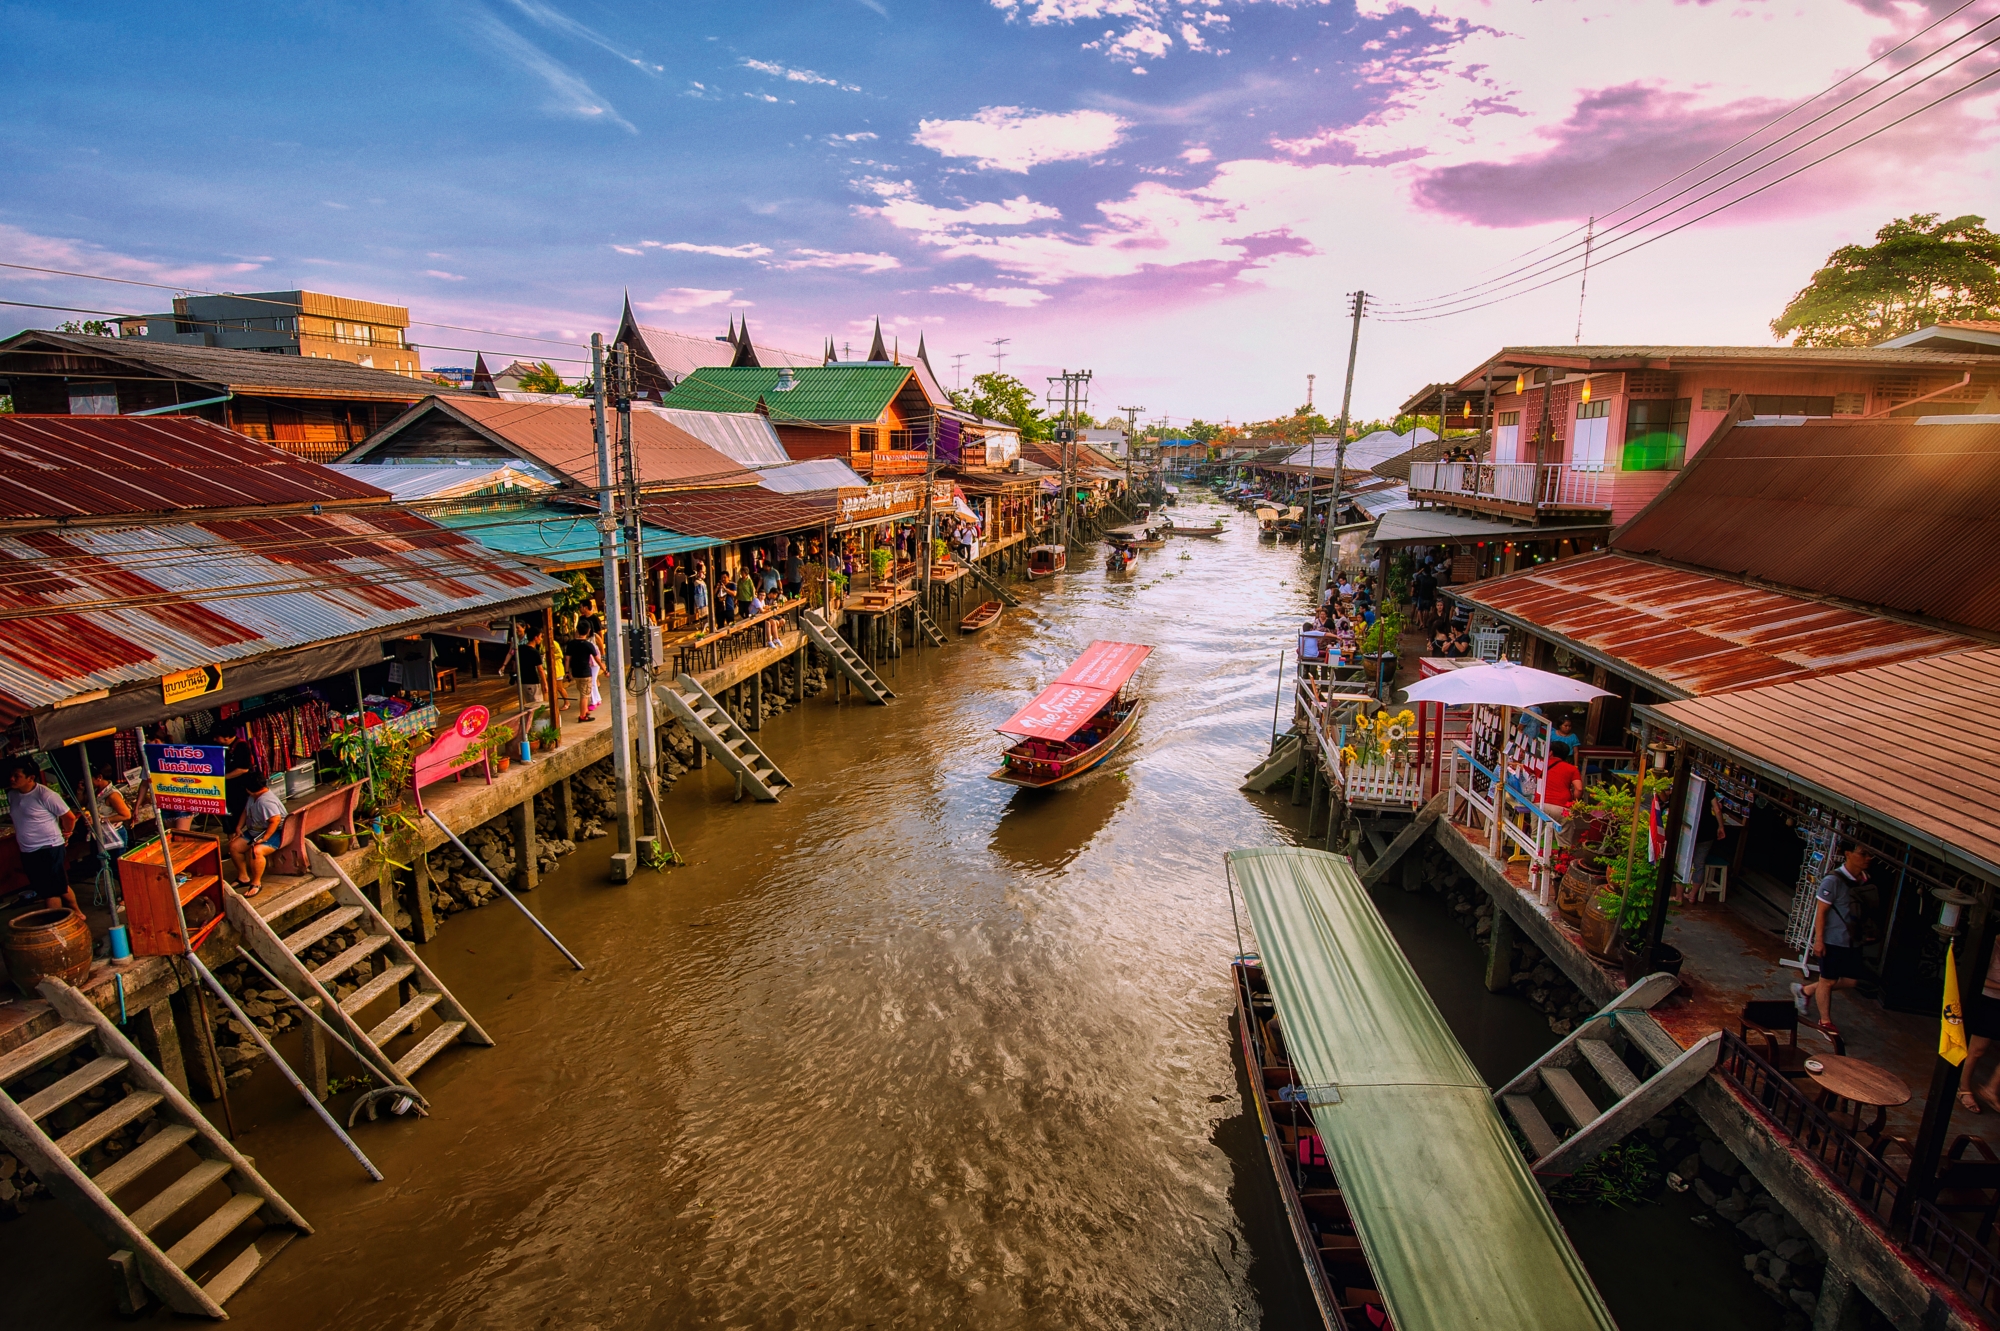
334 843
1598 927
39 943
1667 957
1579 884
501 762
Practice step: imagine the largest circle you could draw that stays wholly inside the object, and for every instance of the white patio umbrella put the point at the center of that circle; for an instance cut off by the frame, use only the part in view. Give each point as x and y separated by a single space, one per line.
1502 684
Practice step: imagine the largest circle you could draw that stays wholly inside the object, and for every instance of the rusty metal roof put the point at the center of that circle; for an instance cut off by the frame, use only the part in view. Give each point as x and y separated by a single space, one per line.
737 515
58 467
91 608
1687 634
1889 513
250 373
1850 734
560 436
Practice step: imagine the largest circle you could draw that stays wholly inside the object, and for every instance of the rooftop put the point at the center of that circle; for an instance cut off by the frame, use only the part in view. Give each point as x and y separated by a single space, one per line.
56 468
824 394
736 515
246 373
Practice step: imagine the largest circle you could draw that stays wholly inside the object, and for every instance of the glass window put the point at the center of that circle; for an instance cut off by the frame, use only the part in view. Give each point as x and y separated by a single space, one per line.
1772 404
1506 436
1656 431
93 399
1593 428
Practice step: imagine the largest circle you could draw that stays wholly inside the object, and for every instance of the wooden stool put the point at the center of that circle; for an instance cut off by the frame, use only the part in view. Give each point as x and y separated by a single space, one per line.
1714 878
446 680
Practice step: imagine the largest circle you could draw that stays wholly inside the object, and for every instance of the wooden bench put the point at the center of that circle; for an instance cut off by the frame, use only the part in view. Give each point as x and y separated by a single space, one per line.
335 808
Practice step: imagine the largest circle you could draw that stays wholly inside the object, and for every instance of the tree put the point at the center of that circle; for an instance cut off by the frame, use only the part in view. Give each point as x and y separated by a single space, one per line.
89 328
1919 272
1002 397
544 379
1297 428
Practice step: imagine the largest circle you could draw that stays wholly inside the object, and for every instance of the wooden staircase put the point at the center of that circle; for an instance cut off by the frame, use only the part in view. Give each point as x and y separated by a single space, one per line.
991 583
716 730
54 1135
1631 1099
367 953
1284 760
850 663
926 626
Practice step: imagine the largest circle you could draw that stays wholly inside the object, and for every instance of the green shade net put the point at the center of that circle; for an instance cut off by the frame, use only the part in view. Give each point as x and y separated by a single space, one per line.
1457 1231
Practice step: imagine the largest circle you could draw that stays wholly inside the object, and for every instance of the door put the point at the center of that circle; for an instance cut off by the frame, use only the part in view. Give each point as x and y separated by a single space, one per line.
1587 442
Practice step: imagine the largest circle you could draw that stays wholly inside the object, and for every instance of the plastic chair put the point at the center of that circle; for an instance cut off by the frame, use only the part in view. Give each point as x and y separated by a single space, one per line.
1714 878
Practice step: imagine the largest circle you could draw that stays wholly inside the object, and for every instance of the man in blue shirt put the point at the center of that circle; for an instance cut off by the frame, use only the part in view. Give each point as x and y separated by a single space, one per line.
1836 935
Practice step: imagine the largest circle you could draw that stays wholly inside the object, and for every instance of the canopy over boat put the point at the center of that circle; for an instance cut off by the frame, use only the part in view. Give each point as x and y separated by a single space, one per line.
1079 693
1453 1224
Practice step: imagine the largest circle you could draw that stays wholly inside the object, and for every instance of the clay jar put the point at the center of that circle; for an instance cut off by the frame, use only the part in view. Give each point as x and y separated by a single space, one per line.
52 941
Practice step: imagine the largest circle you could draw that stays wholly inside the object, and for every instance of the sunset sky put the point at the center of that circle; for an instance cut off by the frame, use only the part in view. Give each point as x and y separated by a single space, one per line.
1176 196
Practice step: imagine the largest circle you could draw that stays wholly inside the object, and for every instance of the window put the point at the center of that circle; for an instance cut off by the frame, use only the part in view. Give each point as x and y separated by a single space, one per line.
1506 435
1850 404
1656 431
1593 428
93 399
1715 399
1773 404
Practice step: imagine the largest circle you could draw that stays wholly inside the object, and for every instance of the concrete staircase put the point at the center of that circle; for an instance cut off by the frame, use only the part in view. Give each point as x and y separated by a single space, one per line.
715 730
850 663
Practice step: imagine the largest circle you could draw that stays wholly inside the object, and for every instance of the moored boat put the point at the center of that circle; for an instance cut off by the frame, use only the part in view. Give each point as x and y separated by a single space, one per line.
1173 529
980 617
1047 560
1077 722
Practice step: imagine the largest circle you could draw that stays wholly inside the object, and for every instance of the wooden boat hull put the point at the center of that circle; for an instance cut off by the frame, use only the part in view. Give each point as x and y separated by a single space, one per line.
1216 530
1248 1048
1091 757
980 617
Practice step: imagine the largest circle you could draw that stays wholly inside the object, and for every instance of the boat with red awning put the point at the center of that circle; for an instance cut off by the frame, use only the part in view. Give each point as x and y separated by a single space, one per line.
1076 722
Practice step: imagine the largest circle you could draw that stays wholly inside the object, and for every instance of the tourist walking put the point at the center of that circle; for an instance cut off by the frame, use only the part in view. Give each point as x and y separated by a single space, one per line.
1836 942
42 826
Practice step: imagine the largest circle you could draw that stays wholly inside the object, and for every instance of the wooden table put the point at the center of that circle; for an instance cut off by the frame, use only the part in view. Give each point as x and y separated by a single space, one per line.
1852 1083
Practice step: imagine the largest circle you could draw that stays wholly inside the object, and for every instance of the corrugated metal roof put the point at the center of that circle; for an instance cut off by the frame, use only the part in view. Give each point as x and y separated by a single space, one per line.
1436 526
1691 634
556 536
407 484
94 607
737 515
812 474
1892 513
1871 357
1851 734
112 466
823 393
681 354
560 437
1369 449
743 435
257 373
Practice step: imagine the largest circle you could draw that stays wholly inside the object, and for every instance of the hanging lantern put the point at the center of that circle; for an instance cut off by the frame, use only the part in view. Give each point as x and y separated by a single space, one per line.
1585 395
1465 409
1520 383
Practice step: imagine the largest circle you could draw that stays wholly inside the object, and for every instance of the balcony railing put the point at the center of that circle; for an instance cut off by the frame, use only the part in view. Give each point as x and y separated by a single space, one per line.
886 462
1956 1256
1530 485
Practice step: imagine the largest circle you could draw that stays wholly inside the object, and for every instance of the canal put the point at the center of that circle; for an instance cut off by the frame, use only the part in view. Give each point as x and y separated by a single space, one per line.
910 1048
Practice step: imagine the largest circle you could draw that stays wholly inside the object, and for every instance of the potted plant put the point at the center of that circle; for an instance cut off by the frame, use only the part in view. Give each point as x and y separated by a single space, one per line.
880 560
546 737
497 744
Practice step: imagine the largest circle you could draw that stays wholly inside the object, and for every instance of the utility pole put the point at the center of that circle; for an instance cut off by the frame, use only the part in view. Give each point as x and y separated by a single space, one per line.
1330 542
1131 444
639 639
999 345
624 861
1583 287
1075 391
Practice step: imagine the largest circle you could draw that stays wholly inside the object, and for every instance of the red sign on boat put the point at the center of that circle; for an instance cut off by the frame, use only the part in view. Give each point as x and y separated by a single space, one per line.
1079 693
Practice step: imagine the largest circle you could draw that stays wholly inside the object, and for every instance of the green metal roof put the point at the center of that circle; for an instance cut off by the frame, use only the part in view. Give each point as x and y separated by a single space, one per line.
554 535
847 394
1453 1223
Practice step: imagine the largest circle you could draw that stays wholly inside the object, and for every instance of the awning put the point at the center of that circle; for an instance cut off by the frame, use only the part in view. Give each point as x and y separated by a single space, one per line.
1454 1225
1430 526
555 535
1079 693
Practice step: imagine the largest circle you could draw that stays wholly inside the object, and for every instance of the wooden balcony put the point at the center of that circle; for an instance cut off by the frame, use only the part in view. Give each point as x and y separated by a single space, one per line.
1514 489
884 463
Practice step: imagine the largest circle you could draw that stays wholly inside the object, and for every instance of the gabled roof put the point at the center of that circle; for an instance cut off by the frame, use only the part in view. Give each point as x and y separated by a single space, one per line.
54 468
249 373
1978 337
1899 513
823 394
679 355
559 436
1606 359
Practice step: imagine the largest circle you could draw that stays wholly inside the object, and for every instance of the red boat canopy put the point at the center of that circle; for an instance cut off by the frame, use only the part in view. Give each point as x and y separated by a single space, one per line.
1079 693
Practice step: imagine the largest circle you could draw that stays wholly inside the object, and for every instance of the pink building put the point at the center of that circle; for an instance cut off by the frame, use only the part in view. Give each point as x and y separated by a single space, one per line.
1596 432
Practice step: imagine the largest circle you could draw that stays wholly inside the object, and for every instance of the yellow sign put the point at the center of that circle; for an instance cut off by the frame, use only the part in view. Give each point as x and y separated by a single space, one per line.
186 684
1951 1030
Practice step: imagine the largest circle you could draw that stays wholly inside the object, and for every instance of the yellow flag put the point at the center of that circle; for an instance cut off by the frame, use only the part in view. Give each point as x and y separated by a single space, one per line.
1951 1032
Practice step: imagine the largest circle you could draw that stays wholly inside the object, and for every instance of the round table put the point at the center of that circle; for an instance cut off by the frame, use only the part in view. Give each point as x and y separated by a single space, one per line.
1857 1082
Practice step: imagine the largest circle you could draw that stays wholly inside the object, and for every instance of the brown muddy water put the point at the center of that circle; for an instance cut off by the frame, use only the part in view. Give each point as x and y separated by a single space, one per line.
910 1048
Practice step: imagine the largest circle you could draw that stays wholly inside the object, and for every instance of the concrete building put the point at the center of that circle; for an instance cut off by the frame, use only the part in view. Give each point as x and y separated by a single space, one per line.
287 323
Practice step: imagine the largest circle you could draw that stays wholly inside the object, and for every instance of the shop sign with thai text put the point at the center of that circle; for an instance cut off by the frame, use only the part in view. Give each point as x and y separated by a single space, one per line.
892 499
185 684
188 778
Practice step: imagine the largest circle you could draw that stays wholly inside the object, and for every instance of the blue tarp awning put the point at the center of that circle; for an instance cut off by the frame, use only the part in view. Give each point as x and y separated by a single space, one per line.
556 535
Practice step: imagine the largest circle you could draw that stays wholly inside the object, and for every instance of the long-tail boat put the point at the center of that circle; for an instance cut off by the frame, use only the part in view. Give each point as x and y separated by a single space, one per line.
1170 528
1405 1191
1076 722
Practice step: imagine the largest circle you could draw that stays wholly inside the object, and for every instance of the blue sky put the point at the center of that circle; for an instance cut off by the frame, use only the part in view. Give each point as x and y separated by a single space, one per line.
1174 195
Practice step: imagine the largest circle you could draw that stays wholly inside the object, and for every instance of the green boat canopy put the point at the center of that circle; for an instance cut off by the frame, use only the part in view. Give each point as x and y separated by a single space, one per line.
1455 1227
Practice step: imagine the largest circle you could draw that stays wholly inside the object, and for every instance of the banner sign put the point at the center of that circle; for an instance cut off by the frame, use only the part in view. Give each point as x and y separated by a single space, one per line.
860 504
187 778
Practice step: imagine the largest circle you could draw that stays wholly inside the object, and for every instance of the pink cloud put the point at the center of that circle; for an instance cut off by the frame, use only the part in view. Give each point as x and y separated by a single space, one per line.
81 256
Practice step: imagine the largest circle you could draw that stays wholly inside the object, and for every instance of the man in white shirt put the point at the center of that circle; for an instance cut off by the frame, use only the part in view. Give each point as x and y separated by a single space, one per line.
42 824
257 834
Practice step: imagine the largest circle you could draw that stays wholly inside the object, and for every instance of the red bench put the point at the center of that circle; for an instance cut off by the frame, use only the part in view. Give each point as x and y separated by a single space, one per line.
449 754
333 809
